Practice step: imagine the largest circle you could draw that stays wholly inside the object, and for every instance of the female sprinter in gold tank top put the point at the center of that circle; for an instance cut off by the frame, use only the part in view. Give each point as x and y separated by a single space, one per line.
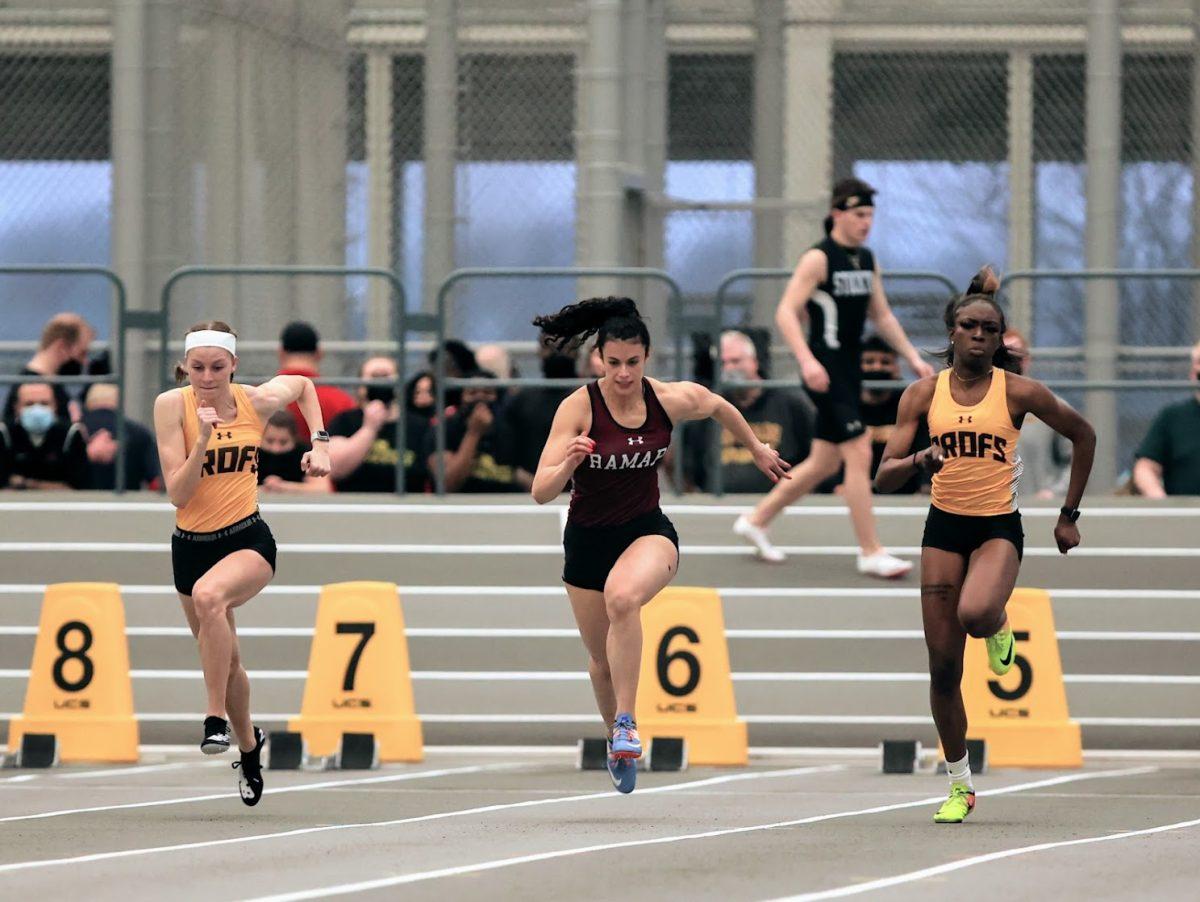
222 552
973 541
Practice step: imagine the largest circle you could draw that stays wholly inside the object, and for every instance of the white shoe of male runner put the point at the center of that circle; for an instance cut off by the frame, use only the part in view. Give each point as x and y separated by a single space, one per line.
758 538
883 565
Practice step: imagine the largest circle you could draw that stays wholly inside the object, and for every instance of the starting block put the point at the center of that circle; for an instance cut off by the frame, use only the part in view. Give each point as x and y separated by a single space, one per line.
667 753
664 753
900 756
37 750
905 756
287 750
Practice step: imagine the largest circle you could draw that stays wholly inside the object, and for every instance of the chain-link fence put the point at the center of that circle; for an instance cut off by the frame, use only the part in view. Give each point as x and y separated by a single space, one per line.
299 134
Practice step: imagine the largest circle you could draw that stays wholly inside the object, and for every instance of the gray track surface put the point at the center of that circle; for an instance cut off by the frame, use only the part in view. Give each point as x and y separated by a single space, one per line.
567 810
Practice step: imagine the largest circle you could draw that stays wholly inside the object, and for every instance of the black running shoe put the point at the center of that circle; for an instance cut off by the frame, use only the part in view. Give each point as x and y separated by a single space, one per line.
216 735
250 783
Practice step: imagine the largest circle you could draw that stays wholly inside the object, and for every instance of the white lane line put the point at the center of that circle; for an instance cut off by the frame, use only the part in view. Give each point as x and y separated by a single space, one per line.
142 769
363 886
920 720
730 510
913 876
443 815
438 632
573 676
305 787
556 549
23 778
470 593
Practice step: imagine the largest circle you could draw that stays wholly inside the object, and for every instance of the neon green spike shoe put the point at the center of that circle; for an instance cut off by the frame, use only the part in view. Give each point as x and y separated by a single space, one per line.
1000 651
956 808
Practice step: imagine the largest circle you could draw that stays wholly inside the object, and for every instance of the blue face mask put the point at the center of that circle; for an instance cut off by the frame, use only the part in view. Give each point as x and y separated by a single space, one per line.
37 419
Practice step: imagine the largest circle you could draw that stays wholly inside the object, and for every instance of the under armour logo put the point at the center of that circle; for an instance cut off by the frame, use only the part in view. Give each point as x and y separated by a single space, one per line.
637 440
224 435
964 419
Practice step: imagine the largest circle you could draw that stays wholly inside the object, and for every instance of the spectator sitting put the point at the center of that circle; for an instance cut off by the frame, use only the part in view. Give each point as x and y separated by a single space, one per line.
460 360
300 355
419 398
62 351
1168 460
595 364
38 448
479 445
780 418
280 454
531 413
100 423
362 446
1045 455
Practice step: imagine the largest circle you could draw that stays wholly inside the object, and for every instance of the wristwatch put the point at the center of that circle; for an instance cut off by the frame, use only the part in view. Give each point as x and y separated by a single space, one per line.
1071 513
320 436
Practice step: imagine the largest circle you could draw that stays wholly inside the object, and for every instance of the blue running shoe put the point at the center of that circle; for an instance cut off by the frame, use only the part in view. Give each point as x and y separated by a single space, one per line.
625 740
623 772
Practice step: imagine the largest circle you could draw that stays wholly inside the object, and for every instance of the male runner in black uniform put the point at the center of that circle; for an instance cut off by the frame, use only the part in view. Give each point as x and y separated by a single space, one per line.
835 288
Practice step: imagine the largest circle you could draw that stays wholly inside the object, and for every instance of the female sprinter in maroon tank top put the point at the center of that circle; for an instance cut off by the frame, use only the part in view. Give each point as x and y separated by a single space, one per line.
608 439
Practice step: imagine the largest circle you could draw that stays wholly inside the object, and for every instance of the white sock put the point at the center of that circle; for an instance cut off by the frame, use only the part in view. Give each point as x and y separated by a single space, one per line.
960 772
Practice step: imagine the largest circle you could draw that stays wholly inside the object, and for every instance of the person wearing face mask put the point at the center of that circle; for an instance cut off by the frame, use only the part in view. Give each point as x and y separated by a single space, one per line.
38 448
479 445
1168 460
779 418
530 414
280 458
62 351
418 396
879 407
362 448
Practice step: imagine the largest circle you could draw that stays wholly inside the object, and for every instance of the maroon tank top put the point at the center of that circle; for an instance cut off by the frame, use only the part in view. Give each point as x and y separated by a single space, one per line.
619 480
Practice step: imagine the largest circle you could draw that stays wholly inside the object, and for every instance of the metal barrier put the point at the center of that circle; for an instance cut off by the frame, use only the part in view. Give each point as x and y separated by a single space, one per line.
118 340
717 475
441 383
402 322
1101 354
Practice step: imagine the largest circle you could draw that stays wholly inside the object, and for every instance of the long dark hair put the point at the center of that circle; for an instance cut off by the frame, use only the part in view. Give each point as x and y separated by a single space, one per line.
983 287
608 318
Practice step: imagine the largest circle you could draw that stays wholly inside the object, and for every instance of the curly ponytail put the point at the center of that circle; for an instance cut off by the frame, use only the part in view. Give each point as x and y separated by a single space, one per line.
983 287
607 318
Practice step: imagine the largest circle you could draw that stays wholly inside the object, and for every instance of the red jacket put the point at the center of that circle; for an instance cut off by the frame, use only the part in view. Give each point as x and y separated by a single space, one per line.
331 398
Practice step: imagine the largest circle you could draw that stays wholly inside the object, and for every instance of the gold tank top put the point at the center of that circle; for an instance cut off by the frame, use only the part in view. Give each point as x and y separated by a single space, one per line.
982 467
228 490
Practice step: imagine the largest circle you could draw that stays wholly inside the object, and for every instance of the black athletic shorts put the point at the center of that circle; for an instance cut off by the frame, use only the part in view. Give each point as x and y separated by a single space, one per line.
961 534
591 551
195 553
839 417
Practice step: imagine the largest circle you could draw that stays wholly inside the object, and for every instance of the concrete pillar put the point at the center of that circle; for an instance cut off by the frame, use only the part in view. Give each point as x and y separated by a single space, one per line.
441 143
380 193
808 121
768 151
144 250
1021 223
1103 157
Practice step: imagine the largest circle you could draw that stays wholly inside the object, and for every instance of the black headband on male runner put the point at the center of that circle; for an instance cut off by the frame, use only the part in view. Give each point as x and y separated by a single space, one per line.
862 199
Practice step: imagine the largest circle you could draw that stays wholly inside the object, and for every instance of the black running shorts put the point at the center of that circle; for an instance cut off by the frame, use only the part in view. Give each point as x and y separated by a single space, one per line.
592 551
960 534
839 416
195 553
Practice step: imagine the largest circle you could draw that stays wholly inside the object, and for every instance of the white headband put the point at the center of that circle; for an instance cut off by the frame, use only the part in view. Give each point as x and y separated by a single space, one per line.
210 338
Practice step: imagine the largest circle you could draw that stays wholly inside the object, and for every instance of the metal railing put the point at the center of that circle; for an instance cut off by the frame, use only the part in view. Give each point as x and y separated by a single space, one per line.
402 321
120 296
441 382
